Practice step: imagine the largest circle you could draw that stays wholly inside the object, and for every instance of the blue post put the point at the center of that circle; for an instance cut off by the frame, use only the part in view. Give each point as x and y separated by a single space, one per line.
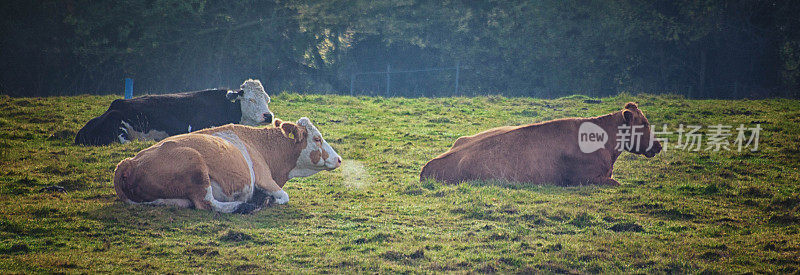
128 88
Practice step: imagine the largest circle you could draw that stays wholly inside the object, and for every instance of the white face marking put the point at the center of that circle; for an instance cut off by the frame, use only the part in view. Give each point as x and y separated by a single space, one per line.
190 129
314 142
135 135
254 102
246 193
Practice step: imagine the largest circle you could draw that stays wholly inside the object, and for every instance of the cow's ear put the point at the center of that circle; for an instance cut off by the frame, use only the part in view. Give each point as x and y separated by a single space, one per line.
627 115
631 106
304 121
291 131
234 95
278 123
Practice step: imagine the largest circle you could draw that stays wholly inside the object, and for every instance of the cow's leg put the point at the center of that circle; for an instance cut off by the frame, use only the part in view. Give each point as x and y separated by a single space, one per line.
592 169
603 181
590 173
280 196
268 185
272 189
192 174
199 201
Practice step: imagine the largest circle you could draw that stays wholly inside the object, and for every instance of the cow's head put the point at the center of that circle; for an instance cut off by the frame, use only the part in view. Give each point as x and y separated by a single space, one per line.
633 116
316 154
254 103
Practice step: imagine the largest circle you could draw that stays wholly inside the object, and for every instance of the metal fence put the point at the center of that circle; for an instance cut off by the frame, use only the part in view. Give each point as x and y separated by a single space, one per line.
389 76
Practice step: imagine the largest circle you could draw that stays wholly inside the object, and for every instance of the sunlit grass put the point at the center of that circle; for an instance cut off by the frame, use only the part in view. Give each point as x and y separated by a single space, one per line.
678 212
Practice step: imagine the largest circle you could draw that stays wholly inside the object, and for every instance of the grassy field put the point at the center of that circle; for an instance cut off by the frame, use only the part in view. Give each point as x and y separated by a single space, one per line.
680 211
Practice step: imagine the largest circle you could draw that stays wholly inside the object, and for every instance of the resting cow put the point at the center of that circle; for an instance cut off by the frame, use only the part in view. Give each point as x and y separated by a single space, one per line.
155 117
547 152
222 168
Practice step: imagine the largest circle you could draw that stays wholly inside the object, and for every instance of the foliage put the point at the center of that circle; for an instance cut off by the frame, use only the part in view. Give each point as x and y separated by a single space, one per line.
547 48
679 212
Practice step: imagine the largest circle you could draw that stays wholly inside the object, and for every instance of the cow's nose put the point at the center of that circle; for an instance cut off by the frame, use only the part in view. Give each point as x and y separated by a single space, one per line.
338 162
268 117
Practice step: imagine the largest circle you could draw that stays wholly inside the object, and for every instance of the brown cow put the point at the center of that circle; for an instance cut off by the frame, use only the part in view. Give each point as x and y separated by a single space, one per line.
569 151
221 168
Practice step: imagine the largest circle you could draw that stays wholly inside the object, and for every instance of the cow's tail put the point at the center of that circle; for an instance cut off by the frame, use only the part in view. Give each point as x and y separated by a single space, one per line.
124 182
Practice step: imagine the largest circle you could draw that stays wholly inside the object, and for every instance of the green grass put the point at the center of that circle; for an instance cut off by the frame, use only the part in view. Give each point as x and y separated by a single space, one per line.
678 212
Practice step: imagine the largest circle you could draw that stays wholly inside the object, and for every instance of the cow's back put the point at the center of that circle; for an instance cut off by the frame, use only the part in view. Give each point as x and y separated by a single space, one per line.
482 135
173 113
531 153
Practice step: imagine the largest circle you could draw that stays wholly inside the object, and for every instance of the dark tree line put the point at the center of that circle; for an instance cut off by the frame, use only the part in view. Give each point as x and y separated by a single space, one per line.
548 48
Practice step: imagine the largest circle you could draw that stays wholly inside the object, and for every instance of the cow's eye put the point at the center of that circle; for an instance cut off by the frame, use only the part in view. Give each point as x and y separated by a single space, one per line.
252 100
317 139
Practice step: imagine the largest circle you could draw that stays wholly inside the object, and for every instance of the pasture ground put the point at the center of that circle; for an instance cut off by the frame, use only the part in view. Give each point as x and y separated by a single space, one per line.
678 212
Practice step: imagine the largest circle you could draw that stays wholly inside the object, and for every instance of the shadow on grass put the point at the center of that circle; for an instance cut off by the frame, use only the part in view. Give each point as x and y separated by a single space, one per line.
125 217
541 188
438 189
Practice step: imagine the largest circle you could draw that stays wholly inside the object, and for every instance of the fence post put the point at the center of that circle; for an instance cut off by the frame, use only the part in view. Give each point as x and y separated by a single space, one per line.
457 71
128 88
352 79
388 69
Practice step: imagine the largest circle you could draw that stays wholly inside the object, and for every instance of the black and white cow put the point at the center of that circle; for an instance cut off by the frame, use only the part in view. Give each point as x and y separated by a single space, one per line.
155 117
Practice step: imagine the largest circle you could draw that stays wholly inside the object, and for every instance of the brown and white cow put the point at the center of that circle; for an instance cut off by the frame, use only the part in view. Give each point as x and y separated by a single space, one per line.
222 168
547 152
